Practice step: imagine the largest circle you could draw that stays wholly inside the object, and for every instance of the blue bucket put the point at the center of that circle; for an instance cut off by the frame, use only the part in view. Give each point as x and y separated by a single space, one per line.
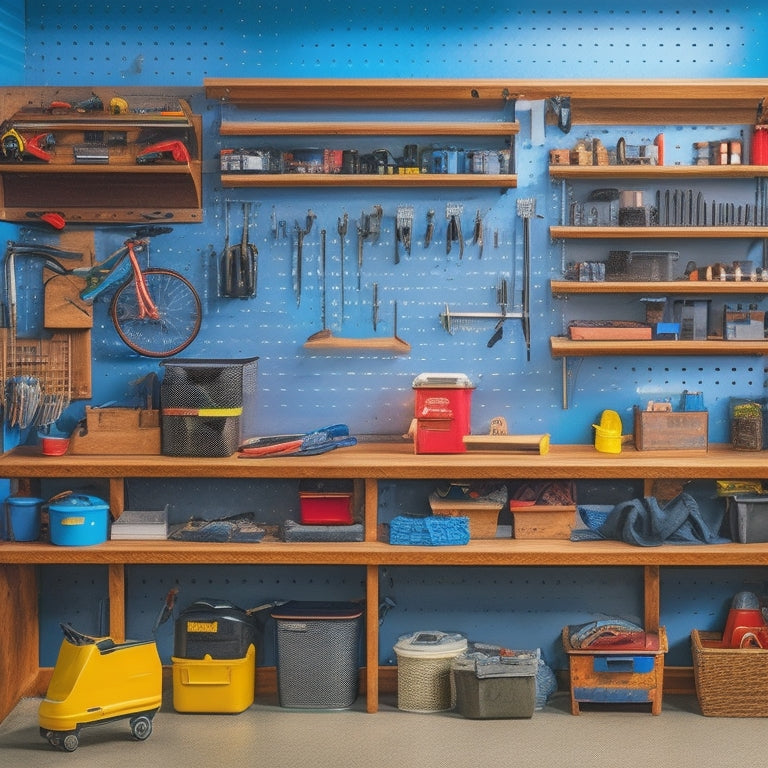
21 518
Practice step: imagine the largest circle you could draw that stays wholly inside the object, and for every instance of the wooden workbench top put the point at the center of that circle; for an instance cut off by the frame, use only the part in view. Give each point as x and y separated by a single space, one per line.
391 460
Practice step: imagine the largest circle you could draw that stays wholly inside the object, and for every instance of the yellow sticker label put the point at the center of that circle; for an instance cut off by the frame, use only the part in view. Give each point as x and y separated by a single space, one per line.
202 626
73 521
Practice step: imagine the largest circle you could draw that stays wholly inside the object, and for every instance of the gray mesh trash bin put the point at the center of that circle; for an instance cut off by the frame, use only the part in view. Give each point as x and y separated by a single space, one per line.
317 654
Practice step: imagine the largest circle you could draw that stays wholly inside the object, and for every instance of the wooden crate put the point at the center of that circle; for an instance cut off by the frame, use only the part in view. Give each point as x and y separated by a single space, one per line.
610 332
113 431
483 516
671 430
616 677
543 521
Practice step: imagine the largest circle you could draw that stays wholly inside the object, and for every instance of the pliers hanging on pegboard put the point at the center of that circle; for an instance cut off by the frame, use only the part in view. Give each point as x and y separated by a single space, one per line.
453 234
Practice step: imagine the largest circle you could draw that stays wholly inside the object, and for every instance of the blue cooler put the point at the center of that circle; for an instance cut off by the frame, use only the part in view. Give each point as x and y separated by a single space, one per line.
78 519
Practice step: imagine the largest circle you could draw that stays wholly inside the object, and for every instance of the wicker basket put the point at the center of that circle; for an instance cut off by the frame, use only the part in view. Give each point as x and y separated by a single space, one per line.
730 682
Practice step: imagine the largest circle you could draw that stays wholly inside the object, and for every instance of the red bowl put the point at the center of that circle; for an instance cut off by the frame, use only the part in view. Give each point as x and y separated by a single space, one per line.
54 446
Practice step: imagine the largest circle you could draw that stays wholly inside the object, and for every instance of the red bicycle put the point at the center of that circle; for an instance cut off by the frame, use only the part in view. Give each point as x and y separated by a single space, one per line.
156 311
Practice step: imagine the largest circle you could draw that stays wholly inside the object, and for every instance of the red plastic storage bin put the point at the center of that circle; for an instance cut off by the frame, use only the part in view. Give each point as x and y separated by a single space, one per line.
325 508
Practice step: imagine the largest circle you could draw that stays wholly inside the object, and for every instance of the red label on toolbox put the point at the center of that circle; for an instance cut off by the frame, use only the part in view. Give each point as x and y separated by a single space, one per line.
436 408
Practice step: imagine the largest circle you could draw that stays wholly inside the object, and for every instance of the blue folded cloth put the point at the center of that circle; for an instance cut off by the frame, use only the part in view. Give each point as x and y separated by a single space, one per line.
645 523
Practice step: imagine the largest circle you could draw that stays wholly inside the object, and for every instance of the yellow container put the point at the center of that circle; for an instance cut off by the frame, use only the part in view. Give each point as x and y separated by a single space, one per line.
608 433
214 685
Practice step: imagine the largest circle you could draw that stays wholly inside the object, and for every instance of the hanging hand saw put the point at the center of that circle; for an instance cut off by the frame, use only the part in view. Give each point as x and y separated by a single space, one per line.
526 209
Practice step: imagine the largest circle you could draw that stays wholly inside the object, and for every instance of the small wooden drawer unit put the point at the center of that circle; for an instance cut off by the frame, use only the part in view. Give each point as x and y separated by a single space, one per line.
616 677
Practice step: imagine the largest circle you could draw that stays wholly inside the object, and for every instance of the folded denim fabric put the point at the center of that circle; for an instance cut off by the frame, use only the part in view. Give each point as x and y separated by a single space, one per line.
645 523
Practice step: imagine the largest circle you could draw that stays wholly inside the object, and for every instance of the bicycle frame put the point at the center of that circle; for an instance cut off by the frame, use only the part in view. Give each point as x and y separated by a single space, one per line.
112 270
147 307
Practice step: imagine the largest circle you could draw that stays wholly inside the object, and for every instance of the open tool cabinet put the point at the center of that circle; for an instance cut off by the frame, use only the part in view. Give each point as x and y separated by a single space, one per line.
93 172
376 464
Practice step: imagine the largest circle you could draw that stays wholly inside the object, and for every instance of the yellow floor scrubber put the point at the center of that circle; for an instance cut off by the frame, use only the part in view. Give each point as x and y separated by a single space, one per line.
97 681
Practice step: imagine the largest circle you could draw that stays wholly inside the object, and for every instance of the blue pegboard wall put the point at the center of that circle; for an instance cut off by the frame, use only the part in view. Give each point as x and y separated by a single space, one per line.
178 44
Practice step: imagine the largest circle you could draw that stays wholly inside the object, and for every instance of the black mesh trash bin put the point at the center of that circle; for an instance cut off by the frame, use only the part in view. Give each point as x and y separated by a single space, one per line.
318 646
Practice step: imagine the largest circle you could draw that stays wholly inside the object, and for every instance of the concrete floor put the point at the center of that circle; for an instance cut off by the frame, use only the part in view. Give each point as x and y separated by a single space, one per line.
269 736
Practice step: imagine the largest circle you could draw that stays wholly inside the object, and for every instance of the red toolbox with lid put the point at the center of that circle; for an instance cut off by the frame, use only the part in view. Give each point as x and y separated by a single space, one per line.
443 404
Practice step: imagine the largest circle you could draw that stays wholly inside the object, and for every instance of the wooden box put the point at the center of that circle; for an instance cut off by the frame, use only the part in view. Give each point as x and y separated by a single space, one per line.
117 431
483 515
671 430
542 522
610 332
616 677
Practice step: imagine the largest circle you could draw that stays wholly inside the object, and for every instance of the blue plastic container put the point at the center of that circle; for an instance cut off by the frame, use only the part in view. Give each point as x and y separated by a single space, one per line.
78 519
20 520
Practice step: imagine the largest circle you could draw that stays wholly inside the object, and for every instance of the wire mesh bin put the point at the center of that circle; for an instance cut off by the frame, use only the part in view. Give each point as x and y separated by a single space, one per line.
424 662
207 406
318 646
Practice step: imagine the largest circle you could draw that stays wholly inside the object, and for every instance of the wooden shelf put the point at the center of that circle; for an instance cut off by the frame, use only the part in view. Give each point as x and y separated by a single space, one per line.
367 180
330 344
600 101
561 346
479 552
657 172
366 128
301 92
671 288
300 96
388 460
618 233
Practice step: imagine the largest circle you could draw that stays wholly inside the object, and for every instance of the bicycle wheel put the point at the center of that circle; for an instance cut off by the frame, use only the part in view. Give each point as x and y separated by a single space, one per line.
180 314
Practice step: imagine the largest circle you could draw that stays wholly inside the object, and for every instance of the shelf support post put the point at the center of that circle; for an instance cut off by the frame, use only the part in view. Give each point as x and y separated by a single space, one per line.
372 638
652 597
117 602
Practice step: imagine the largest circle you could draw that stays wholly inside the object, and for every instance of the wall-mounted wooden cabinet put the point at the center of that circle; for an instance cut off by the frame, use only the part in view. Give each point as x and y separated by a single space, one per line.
391 100
94 166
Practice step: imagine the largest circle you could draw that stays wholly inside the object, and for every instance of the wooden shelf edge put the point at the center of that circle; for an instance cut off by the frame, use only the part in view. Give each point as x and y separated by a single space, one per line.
123 168
364 128
561 346
93 215
657 171
551 552
567 232
300 92
599 101
330 343
368 180
567 287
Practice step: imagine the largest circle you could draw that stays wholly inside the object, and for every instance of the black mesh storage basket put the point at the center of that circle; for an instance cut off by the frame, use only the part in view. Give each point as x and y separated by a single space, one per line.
208 383
317 654
200 436
219 396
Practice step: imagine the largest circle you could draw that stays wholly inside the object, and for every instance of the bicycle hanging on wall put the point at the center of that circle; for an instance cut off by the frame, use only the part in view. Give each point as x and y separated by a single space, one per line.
156 311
